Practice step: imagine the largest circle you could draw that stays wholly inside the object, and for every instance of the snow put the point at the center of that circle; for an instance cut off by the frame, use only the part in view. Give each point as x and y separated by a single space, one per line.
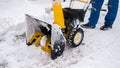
57 35
100 49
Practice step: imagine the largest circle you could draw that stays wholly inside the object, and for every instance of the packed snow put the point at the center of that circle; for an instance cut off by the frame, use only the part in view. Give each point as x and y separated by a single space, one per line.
100 49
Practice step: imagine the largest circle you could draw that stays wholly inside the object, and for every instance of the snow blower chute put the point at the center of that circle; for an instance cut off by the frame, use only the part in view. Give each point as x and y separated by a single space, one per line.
64 31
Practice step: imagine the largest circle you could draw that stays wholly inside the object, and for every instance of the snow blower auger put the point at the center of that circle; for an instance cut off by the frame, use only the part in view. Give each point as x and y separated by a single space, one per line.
64 31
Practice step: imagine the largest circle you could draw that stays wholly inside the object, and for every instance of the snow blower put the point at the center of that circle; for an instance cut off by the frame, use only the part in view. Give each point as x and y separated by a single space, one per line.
64 31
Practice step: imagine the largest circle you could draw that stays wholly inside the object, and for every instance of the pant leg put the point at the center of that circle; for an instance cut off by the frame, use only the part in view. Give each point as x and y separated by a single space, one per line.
95 12
112 12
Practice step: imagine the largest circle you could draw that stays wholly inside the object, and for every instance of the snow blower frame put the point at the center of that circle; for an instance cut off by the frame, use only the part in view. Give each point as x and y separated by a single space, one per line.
64 31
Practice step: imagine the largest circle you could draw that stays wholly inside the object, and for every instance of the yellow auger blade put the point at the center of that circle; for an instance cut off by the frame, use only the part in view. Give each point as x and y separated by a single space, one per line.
58 14
46 47
36 38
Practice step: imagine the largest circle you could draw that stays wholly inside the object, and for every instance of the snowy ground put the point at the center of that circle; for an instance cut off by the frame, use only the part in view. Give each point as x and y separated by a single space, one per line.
101 49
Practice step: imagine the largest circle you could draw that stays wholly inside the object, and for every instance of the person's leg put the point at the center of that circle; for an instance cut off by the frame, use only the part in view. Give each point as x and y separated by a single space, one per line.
95 12
94 16
112 12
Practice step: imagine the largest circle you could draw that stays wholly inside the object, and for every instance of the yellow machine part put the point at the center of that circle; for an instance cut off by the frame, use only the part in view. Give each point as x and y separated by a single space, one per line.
84 1
47 46
37 37
58 14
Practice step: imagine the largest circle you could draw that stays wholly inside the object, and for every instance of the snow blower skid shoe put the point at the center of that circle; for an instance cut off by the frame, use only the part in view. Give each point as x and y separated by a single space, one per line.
58 41
57 50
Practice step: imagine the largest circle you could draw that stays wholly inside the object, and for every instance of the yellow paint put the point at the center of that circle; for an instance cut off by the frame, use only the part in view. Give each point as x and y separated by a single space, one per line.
37 37
58 14
77 38
84 1
47 46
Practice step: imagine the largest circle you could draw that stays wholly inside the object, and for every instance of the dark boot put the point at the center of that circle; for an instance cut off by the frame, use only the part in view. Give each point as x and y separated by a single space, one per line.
87 26
104 27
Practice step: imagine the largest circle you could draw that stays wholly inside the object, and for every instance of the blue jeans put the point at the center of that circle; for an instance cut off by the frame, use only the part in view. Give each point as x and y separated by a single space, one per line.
111 14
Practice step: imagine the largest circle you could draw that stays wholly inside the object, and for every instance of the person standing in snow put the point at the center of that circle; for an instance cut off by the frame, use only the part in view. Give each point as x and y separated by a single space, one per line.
95 12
